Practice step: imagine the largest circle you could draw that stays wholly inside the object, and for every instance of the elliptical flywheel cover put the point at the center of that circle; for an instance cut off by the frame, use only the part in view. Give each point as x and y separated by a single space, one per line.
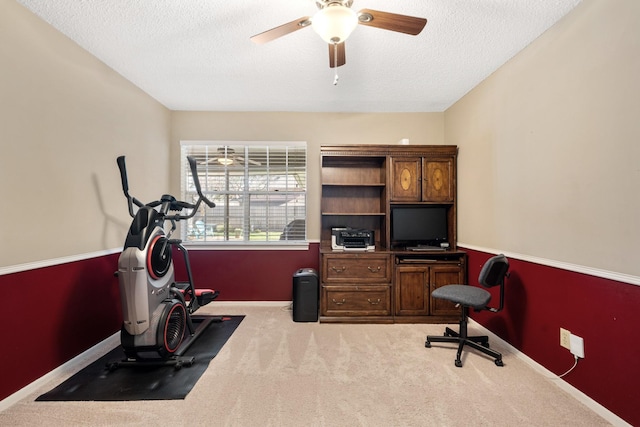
158 260
171 328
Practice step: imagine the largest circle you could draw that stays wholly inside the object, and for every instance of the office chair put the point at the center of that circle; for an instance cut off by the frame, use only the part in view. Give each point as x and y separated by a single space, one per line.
492 274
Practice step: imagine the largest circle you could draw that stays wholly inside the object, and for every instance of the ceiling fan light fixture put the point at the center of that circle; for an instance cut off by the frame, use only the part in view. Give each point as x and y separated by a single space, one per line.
334 23
224 156
225 161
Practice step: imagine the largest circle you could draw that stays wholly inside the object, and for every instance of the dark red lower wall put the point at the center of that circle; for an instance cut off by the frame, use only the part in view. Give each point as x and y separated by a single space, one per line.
53 314
539 300
259 275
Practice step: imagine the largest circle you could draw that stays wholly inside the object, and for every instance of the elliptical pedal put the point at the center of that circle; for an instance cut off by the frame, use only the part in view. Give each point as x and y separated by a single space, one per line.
205 296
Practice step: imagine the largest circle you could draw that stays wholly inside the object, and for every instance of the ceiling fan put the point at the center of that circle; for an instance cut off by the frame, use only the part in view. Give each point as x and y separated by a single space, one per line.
335 21
226 156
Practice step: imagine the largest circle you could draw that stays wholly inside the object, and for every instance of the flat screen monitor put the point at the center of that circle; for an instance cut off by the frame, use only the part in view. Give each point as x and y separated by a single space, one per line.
418 225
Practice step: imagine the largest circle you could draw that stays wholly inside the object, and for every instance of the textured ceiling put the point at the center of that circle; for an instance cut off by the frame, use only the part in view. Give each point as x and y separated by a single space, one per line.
196 54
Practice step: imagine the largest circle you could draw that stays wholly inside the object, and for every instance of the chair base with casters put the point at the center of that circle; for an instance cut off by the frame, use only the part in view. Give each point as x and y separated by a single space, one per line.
480 343
492 274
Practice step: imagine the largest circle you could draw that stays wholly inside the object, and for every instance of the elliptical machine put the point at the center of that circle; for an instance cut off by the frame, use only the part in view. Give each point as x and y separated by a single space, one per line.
157 310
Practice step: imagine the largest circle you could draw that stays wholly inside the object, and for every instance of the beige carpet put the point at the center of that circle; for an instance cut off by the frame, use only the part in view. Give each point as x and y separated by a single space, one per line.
275 372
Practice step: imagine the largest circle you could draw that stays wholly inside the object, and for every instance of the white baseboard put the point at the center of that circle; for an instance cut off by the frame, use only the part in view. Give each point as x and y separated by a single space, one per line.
568 388
253 303
65 370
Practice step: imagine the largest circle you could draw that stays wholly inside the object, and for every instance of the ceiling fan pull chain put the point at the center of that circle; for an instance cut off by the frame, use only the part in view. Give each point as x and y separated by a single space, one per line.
335 63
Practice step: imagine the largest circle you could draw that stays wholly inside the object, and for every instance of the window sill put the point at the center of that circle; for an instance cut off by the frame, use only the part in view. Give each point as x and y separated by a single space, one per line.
298 246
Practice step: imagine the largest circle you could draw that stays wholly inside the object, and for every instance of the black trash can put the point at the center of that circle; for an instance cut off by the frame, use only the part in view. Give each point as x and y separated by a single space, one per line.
305 295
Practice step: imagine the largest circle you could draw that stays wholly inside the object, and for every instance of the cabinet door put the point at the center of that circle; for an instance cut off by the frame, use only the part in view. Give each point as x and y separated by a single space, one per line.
412 291
437 185
406 178
445 275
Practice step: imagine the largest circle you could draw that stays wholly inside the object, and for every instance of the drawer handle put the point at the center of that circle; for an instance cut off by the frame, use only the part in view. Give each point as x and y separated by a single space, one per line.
338 270
374 270
373 302
338 302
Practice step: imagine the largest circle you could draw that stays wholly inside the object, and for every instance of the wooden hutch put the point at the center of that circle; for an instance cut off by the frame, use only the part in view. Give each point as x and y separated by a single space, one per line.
360 186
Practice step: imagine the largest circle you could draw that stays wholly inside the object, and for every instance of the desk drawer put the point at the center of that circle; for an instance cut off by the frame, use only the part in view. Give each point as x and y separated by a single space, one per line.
358 268
368 300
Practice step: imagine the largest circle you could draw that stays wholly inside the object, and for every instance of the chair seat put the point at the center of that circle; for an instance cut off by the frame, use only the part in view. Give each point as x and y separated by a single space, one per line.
470 296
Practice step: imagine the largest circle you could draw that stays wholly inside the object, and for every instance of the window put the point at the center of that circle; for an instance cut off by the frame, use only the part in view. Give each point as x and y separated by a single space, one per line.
259 189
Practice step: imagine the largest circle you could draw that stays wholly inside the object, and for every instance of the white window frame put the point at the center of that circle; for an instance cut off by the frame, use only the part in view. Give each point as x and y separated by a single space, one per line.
245 241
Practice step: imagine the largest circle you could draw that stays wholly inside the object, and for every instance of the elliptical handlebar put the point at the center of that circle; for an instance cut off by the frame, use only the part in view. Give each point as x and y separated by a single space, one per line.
174 204
125 186
196 182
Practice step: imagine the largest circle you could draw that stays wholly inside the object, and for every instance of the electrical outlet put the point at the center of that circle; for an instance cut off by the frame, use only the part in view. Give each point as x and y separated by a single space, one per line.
577 346
565 338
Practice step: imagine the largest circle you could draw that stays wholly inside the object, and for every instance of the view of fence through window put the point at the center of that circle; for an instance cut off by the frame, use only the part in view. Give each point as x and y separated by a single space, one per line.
259 189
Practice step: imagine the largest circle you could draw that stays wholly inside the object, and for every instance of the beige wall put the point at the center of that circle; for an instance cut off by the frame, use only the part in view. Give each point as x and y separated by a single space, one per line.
549 162
64 118
316 129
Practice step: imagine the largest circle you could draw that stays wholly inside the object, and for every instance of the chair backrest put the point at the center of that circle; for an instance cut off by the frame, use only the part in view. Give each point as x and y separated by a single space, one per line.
494 271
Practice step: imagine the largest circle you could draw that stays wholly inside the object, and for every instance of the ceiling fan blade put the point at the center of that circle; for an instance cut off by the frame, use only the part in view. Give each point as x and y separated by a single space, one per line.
391 21
282 30
341 57
250 161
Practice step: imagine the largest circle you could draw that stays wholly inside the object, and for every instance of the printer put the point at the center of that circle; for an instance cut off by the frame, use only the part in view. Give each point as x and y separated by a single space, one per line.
352 239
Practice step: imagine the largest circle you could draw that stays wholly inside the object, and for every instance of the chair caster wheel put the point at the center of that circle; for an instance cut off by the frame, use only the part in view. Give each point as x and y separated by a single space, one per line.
427 344
499 362
459 363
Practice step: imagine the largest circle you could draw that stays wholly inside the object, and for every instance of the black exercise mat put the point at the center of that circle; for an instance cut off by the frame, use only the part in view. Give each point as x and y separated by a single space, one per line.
97 383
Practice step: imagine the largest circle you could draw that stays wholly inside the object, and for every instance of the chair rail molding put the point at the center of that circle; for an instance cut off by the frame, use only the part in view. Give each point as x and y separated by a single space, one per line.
605 274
